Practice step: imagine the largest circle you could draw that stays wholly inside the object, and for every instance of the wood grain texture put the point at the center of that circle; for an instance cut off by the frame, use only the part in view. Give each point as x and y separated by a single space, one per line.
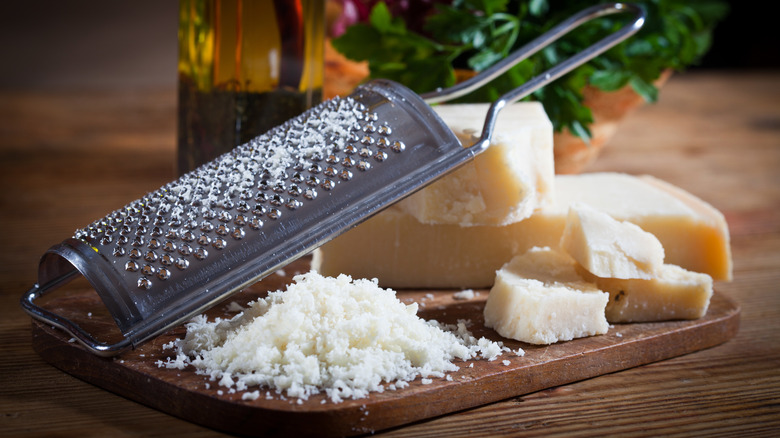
68 158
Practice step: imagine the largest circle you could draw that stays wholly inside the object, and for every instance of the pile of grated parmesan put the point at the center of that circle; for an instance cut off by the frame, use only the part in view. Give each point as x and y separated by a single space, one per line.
344 337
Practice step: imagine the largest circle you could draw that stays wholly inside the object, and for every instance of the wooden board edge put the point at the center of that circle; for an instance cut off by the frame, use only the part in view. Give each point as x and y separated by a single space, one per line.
356 419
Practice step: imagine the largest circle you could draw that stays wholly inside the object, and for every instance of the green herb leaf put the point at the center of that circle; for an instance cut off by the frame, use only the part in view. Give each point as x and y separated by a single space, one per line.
381 19
538 8
645 89
475 34
610 80
359 42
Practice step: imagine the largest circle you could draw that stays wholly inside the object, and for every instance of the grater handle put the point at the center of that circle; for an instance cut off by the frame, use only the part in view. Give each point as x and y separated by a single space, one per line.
73 329
550 75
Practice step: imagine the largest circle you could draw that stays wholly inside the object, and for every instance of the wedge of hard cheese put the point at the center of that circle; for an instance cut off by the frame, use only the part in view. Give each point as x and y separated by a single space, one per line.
609 248
674 293
693 233
622 259
502 185
539 298
401 252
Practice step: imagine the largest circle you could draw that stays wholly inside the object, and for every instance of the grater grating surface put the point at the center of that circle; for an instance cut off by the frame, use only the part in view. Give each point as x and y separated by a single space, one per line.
188 245
192 243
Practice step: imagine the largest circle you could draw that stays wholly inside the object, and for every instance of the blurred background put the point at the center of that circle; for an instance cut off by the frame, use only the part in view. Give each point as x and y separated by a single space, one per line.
49 44
92 44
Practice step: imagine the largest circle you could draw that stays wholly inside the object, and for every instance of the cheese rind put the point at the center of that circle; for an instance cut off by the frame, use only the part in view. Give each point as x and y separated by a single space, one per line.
610 248
502 185
539 298
674 293
403 253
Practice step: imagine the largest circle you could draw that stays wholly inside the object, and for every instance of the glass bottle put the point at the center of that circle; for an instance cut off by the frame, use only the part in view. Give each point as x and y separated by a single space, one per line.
245 66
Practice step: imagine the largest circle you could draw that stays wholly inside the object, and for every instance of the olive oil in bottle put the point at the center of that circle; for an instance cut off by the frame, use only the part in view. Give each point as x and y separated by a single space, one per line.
245 66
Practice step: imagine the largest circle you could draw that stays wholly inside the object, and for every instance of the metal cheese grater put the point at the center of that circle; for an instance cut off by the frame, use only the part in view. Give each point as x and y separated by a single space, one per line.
183 248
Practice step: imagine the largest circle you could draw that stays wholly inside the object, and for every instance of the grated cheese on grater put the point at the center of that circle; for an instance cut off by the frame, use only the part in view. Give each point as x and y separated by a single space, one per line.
340 336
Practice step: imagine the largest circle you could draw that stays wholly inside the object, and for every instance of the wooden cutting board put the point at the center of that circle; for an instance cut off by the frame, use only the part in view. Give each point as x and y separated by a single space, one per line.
136 375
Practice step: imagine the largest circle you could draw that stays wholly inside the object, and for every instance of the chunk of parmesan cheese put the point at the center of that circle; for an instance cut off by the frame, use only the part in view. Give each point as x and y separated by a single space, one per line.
340 336
539 298
502 185
610 248
674 293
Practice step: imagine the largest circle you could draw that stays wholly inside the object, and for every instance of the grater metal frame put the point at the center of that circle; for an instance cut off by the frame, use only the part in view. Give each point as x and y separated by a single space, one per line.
428 151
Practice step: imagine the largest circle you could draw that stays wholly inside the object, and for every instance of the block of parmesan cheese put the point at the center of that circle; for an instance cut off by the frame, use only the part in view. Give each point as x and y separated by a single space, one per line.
610 248
502 185
693 233
674 293
402 252
539 298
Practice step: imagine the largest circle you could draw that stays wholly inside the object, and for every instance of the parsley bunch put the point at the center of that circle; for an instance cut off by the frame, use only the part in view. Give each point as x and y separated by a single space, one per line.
475 34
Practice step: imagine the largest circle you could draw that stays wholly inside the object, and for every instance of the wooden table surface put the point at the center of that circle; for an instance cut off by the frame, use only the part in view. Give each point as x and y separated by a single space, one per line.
69 158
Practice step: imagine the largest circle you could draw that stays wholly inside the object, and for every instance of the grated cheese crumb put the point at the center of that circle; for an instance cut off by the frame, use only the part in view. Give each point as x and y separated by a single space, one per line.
466 294
254 395
334 335
234 307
